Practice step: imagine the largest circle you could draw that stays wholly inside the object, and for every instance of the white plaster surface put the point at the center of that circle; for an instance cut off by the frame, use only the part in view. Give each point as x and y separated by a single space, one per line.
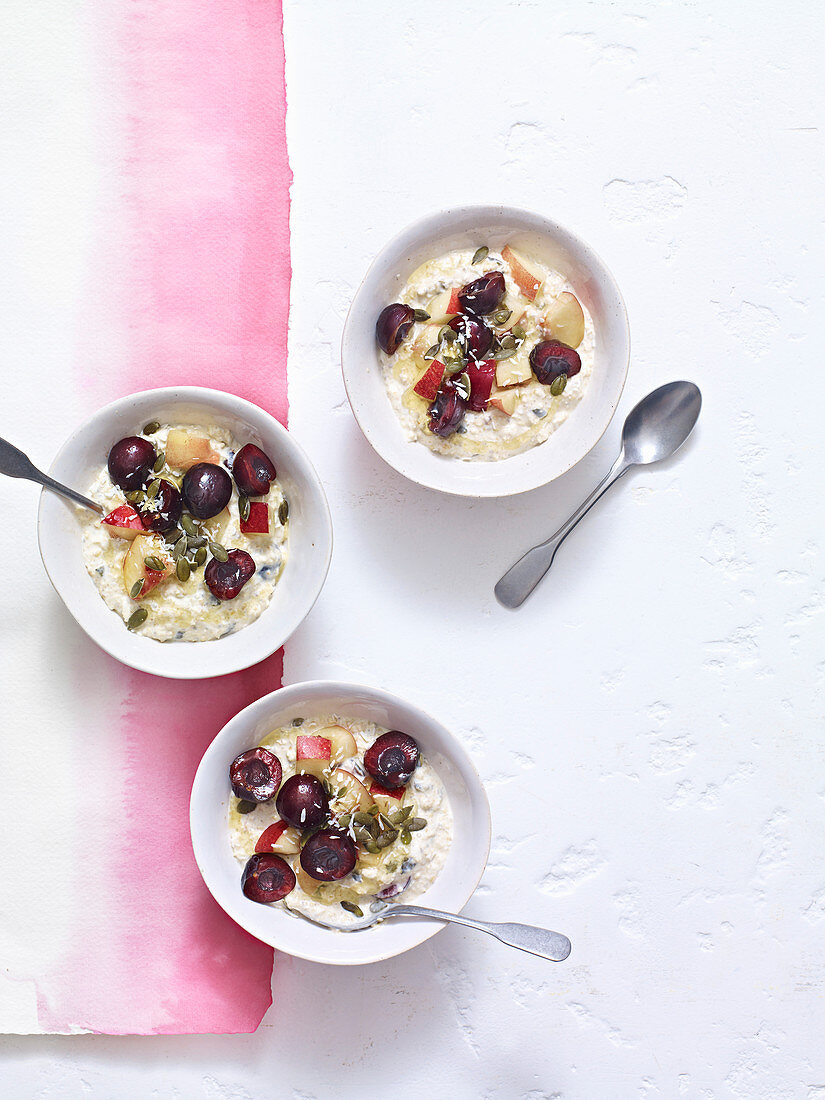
649 725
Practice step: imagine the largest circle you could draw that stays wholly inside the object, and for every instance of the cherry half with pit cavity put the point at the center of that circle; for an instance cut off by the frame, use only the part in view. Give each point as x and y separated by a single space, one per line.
551 358
130 461
475 337
446 412
267 877
225 579
329 855
391 759
482 295
162 511
206 489
302 801
255 775
393 325
253 471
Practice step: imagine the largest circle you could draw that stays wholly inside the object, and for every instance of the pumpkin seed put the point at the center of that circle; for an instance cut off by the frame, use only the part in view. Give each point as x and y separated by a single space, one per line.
194 541
189 525
218 551
448 334
153 490
558 384
375 828
154 563
283 512
352 908
421 315
406 836
362 819
362 835
373 810
243 507
137 618
431 352
150 428
481 254
200 557
245 807
134 496
137 588
297 721
400 815
508 340
416 824
462 385
182 570
179 549
504 353
386 838
502 316
160 462
371 846
518 332
344 820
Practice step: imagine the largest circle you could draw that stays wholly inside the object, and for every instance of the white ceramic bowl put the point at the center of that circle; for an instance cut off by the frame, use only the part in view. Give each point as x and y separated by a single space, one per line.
495 226
222 872
308 552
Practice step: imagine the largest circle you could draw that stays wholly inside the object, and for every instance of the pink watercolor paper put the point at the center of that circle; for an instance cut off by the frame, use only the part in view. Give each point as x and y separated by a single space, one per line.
201 274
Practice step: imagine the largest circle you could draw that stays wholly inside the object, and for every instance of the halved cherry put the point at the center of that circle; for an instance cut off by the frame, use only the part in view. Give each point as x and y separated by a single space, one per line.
267 878
329 855
391 759
255 775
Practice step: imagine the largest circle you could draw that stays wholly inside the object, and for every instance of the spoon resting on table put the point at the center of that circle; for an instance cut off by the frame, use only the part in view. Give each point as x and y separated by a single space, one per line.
13 463
655 429
526 937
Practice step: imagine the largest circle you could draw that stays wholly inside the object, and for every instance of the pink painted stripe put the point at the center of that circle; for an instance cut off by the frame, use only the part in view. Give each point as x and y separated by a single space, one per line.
202 271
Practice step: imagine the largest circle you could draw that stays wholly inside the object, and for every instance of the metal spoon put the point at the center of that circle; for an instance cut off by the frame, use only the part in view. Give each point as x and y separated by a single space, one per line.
14 463
654 429
538 941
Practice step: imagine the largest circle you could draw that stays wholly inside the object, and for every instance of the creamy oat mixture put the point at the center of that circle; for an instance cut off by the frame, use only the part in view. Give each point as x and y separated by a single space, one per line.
411 864
493 433
187 611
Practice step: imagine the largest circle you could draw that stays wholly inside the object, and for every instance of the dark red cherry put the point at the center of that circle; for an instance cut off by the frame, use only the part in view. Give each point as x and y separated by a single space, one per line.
255 775
130 461
225 579
482 295
474 336
551 358
206 489
253 471
446 412
267 877
329 855
393 324
161 512
302 801
482 376
391 759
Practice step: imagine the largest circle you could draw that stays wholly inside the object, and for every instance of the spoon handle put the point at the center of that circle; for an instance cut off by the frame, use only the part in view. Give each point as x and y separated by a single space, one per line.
14 463
520 579
538 941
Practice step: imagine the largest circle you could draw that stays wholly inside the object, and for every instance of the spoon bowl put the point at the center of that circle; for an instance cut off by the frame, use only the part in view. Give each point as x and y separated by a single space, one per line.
661 422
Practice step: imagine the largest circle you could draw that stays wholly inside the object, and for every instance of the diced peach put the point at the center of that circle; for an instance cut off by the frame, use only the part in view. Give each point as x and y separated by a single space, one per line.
355 795
342 743
135 568
387 800
257 522
429 382
505 401
312 754
443 306
564 320
526 277
124 523
281 838
512 372
184 449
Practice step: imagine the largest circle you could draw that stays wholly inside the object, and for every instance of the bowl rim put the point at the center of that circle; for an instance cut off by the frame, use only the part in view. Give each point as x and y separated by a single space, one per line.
489 212
290 695
222 401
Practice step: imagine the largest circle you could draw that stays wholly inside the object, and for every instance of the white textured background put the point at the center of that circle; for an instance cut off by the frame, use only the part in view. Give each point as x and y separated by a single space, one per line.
649 725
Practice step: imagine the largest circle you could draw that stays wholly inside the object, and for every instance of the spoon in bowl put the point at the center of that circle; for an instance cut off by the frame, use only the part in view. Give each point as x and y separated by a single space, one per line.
538 941
14 463
653 430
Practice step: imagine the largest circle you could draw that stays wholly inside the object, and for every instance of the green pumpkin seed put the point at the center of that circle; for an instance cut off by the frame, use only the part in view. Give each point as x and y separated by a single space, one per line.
392 868
406 836
189 525
448 334
388 837
508 340
352 908
502 316
194 541
283 512
373 810
182 570
245 807
179 549
160 462
137 618
153 490
243 507
150 428
504 353
416 824
421 315
431 352
400 815
154 563
137 588
200 557
297 721
134 496
362 818
218 551
344 820
558 384
371 847
481 254
518 332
